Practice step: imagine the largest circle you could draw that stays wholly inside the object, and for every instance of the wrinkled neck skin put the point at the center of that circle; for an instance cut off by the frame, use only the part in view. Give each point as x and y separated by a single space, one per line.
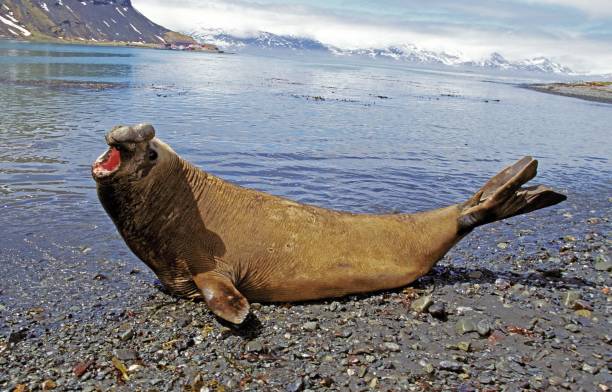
155 222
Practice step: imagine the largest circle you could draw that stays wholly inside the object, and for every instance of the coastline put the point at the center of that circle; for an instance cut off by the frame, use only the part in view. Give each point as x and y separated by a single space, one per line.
590 91
120 44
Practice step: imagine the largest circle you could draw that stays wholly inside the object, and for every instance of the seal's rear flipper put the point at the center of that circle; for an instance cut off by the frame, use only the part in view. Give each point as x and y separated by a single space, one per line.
222 297
502 196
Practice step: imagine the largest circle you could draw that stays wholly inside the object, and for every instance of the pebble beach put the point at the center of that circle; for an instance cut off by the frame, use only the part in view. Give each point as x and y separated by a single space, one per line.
518 305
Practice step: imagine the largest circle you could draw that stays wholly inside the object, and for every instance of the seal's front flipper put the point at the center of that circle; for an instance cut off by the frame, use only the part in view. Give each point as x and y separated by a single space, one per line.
502 196
222 297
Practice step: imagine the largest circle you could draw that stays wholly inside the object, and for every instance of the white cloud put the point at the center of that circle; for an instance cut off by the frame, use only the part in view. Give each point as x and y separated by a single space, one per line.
593 8
359 30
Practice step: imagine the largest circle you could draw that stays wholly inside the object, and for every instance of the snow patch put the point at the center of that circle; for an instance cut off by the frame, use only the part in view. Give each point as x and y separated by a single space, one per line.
60 2
44 7
5 7
135 29
114 21
15 33
106 23
11 18
118 10
161 39
14 25
84 3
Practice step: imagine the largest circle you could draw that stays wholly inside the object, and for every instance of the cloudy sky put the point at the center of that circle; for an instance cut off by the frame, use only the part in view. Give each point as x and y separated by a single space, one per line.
575 33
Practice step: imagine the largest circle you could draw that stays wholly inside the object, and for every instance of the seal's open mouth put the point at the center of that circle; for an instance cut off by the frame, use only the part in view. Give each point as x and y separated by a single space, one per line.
107 164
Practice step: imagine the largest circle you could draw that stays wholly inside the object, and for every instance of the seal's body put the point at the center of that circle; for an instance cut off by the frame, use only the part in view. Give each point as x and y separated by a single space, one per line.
205 237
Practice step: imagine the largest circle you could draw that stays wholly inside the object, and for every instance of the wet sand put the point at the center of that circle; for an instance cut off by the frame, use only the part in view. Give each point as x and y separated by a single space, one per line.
519 305
590 91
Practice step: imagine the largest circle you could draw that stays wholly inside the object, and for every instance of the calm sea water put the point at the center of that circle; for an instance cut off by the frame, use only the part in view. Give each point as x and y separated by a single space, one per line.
384 138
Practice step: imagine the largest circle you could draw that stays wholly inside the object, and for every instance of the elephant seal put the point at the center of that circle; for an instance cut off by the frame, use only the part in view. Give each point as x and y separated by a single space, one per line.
205 237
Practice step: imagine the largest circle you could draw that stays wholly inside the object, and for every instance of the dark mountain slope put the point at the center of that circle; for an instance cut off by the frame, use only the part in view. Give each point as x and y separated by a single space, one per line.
88 20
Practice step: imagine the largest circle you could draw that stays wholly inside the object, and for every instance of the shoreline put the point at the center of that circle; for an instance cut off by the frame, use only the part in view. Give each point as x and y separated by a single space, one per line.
111 44
590 91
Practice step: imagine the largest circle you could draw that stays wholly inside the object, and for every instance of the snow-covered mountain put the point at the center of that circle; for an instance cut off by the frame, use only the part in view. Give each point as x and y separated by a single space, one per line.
537 64
82 20
407 52
262 39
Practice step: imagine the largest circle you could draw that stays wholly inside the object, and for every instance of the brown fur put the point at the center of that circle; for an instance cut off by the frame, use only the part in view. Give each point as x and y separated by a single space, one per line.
186 224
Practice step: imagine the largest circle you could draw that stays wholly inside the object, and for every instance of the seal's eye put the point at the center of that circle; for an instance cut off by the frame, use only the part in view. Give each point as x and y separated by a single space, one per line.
152 155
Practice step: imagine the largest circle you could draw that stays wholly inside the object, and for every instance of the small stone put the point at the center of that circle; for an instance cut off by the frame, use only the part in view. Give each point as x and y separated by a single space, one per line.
362 371
475 275
603 266
428 368
126 354
310 326
422 304
550 271
134 368
569 298
451 366
483 327
572 328
502 284
584 313
464 326
569 238
18 336
503 245
81 368
254 346
47 385
360 349
580 304
437 310
373 383
555 381
589 369
464 346
390 346
326 382
296 386
127 335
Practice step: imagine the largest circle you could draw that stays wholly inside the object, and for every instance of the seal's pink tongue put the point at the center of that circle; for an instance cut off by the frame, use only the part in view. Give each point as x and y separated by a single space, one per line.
112 161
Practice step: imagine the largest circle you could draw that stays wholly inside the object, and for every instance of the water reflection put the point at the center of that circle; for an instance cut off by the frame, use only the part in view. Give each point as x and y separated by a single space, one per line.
319 130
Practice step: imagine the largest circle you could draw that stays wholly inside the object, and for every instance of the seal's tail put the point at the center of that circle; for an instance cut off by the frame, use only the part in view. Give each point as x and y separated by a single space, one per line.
502 196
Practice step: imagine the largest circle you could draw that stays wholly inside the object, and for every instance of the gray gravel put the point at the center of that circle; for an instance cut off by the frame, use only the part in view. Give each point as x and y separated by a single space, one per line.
533 314
594 91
